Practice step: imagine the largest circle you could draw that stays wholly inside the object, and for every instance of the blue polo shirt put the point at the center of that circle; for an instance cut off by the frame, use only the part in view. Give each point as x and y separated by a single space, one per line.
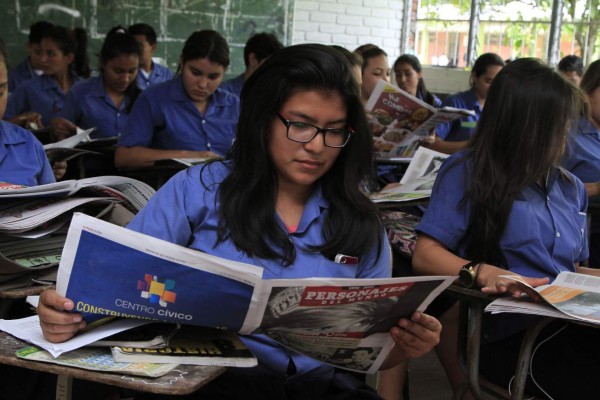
41 95
186 213
234 85
22 157
88 105
21 73
164 117
546 229
463 128
159 74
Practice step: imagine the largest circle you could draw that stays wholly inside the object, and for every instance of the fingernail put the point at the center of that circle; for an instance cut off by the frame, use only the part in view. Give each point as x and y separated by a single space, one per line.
77 318
82 325
68 305
416 316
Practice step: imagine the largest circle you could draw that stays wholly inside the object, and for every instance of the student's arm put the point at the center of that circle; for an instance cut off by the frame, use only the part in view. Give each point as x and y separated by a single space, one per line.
62 128
57 324
138 156
587 271
29 119
444 146
432 258
592 189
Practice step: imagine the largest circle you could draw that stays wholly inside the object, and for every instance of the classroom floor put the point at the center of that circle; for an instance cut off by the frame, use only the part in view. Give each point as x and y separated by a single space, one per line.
427 380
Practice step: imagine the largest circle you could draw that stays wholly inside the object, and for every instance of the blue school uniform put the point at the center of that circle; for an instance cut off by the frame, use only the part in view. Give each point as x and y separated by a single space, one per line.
437 103
234 85
21 73
88 105
22 157
463 128
186 213
582 156
546 230
164 117
159 74
41 95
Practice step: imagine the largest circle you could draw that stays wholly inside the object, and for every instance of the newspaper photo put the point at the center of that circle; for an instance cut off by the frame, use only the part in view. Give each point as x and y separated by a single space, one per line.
109 270
398 120
570 296
418 179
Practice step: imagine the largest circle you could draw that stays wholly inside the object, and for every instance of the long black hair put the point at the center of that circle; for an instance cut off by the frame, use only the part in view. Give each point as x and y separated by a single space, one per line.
521 137
415 64
72 41
118 42
205 44
248 194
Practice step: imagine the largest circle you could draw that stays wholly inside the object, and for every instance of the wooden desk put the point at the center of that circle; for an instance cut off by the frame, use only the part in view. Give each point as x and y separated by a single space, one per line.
156 175
183 380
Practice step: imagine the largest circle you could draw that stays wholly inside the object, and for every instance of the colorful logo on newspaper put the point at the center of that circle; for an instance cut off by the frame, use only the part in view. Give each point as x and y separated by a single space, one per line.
157 292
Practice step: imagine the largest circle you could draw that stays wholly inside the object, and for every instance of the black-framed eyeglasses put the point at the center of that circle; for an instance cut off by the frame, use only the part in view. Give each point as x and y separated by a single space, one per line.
302 132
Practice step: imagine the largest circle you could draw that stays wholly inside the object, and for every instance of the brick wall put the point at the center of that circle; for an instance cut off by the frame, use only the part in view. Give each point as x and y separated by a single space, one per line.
349 23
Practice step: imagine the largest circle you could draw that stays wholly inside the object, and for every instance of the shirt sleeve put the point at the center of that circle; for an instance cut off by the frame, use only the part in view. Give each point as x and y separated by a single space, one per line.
443 130
141 122
583 208
46 174
446 219
17 102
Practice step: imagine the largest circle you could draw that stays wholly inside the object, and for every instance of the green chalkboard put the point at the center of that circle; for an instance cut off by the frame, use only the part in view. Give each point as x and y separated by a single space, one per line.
173 21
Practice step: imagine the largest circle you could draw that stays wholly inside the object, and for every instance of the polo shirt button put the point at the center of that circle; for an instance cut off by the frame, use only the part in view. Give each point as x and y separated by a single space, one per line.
118 114
557 234
203 121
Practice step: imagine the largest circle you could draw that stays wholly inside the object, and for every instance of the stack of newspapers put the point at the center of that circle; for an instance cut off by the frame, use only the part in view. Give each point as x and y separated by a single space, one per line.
34 221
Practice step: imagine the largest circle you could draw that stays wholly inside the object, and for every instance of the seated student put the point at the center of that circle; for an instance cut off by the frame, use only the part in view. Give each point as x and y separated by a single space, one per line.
408 74
453 136
31 66
301 149
150 73
103 102
257 49
375 67
504 206
189 116
582 157
23 160
64 62
572 68
355 61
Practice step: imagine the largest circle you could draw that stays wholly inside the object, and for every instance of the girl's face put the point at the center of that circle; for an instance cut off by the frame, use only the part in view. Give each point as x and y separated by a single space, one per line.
3 87
300 165
54 61
35 55
377 69
407 78
594 100
482 83
120 72
201 77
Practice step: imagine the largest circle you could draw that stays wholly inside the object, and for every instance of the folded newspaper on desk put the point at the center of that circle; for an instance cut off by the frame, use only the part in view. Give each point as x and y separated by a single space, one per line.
571 296
109 270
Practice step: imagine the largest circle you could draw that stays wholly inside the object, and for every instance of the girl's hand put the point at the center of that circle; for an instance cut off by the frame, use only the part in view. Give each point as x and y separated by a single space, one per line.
57 324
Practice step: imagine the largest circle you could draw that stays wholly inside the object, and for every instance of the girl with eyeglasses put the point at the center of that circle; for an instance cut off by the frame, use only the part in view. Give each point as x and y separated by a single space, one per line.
287 199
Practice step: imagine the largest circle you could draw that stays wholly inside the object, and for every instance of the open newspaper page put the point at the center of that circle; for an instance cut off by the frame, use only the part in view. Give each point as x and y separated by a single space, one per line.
344 322
109 270
71 141
570 296
135 194
399 120
418 179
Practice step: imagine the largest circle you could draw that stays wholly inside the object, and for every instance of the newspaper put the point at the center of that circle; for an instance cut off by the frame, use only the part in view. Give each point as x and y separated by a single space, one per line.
418 179
71 141
109 270
571 296
399 120
134 194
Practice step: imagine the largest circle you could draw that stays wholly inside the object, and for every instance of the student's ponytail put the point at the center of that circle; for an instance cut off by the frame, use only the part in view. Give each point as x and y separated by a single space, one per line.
81 63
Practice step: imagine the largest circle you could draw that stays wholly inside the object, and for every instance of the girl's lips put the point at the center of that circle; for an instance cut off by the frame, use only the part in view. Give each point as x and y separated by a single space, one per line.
310 164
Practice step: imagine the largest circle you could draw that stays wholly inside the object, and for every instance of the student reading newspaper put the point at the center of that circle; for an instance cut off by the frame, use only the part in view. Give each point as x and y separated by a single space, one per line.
503 205
286 199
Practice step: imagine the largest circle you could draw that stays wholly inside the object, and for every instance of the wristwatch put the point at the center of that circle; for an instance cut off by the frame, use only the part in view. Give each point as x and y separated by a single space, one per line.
467 276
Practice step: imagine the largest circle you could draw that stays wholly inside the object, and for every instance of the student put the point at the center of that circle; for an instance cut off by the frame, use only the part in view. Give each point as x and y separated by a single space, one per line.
375 67
22 157
189 116
452 136
582 157
408 73
503 206
257 49
355 61
103 102
572 68
301 149
64 62
31 66
150 73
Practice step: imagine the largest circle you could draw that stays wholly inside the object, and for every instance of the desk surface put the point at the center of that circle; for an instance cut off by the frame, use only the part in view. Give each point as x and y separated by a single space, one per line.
183 380
21 293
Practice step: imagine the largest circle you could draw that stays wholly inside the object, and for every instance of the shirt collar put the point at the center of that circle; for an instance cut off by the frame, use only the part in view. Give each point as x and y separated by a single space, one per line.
313 209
